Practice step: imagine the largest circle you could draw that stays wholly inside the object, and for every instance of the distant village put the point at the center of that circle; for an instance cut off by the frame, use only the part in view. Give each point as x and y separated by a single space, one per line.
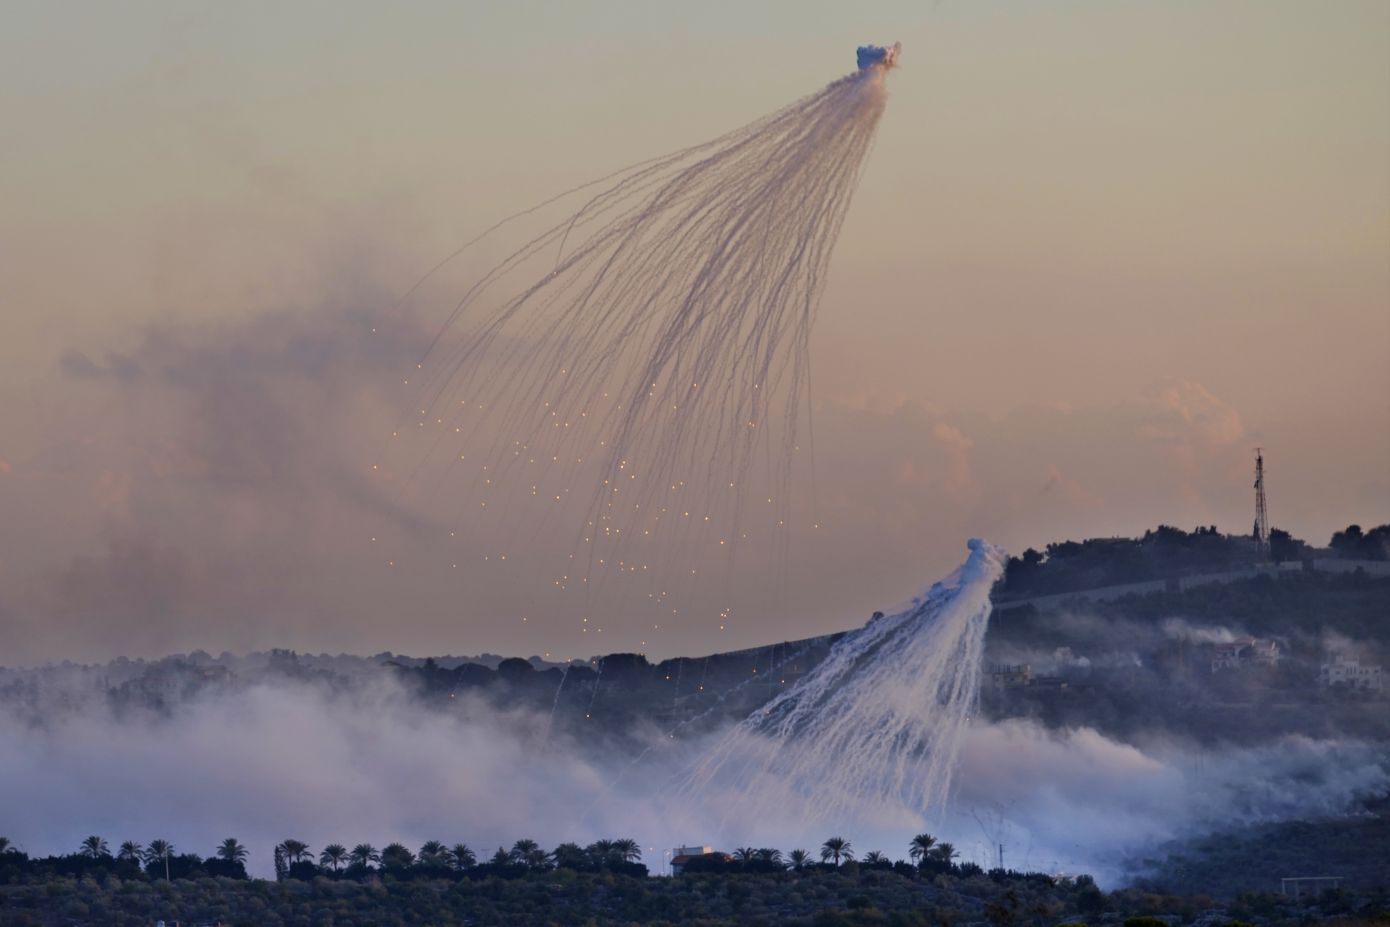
1244 654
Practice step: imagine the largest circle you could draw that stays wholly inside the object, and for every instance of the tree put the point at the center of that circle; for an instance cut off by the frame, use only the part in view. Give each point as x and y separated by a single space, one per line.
159 849
364 854
1362 545
571 856
333 856
396 856
529 854
130 852
920 846
771 856
600 852
874 858
296 851
745 854
627 850
799 859
94 847
6 846
1284 546
836 848
944 852
1346 541
433 853
232 851
462 857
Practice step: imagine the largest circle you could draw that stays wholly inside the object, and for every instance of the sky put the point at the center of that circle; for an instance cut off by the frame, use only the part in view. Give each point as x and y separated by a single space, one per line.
1099 253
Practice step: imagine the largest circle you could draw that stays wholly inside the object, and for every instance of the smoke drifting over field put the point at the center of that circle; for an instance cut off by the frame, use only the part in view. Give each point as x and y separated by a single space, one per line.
1080 801
369 763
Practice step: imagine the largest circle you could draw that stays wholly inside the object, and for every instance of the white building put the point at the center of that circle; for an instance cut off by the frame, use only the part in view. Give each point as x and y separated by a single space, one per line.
1352 675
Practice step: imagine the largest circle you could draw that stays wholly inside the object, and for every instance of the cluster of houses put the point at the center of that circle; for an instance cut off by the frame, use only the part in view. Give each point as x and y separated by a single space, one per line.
1337 672
1240 654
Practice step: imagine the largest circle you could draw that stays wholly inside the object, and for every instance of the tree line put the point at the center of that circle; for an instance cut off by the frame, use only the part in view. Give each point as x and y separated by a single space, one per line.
294 859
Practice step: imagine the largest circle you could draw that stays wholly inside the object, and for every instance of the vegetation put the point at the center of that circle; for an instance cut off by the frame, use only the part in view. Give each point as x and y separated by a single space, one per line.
1167 552
1354 848
1065 566
602 884
1131 671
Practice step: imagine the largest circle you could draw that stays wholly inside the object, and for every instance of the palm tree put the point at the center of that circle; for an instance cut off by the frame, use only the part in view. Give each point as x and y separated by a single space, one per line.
6 846
874 857
396 856
799 859
433 853
333 856
571 856
130 851
364 854
627 849
157 850
836 848
944 852
501 858
770 855
745 854
529 854
94 847
232 850
296 851
920 846
462 857
601 851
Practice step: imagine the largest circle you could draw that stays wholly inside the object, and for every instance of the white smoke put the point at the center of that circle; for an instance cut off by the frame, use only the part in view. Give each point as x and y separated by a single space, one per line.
1077 800
304 761
368 761
1178 629
873 730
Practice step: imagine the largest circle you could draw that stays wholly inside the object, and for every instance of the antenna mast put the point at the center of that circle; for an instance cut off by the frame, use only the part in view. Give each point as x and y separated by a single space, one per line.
1261 514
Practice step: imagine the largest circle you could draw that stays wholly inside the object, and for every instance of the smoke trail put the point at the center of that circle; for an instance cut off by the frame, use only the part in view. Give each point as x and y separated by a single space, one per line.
660 333
875 726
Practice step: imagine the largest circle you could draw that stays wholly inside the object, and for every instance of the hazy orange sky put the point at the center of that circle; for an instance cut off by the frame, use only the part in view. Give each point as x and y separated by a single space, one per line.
1099 253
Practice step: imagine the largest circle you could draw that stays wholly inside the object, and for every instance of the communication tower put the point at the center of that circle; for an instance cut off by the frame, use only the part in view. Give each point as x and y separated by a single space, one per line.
1261 514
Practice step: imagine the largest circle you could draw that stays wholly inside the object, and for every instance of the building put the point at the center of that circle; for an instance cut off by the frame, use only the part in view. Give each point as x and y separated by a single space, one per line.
1245 651
1009 675
682 855
1350 674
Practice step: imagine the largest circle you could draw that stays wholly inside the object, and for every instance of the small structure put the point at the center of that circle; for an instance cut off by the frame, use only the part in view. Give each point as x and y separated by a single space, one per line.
1010 675
1245 651
682 855
1310 884
1350 674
